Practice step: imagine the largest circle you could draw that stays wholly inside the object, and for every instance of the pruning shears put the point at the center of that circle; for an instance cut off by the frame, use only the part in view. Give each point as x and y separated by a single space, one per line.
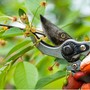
65 48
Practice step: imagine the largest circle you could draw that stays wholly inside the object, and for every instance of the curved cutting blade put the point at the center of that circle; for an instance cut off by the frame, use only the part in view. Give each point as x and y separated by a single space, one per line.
55 34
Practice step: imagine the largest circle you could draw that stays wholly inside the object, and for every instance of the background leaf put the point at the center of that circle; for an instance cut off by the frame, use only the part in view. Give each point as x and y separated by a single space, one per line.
23 16
82 30
3 74
63 63
21 12
18 46
35 8
44 81
19 53
1 14
12 32
1 33
25 76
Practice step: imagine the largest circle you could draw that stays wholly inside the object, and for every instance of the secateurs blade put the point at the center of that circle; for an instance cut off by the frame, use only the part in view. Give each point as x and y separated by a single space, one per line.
65 47
55 34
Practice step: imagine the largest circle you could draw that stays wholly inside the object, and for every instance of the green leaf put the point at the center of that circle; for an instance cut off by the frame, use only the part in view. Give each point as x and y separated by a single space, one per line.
18 46
86 18
1 33
82 31
12 32
44 81
2 80
63 63
35 8
21 12
1 14
43 63
3 74
23 16
71 17
19 53
25 76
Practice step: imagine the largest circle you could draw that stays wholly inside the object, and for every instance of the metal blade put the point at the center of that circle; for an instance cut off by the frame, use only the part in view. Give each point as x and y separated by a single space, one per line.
55 34
47 49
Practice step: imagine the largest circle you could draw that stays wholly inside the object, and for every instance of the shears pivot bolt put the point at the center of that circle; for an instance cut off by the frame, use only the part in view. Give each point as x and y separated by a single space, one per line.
67 50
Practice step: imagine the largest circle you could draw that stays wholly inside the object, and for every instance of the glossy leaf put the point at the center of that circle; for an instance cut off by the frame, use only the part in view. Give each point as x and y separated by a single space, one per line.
21 12
82 30
34 7
18 46
12 32
63 63
44 81
3 74
57 84
1 33
19 53
1 14
25 76
43 63
23 16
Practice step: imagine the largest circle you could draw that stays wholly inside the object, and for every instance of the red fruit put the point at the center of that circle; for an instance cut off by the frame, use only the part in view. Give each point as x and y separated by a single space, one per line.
85 86
72 83
79 75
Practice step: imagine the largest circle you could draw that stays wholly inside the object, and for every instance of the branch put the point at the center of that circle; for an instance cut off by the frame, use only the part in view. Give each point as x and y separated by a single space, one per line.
9 26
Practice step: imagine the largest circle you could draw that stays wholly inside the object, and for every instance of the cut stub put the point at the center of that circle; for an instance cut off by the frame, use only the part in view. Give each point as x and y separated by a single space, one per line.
85 65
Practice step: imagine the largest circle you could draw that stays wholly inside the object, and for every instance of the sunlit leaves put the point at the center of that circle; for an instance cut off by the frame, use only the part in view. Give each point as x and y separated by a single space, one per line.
3 74
18 46
12 32
63 63
25 76
1 33
1 14
44 81
23 16
36 7
81 31
19 50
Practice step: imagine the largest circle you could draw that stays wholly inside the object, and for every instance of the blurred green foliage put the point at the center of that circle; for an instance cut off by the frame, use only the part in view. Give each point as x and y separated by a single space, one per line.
64 14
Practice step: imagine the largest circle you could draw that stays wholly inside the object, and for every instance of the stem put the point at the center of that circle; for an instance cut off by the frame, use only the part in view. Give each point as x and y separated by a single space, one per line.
66 25
9 26
34 15
6 17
